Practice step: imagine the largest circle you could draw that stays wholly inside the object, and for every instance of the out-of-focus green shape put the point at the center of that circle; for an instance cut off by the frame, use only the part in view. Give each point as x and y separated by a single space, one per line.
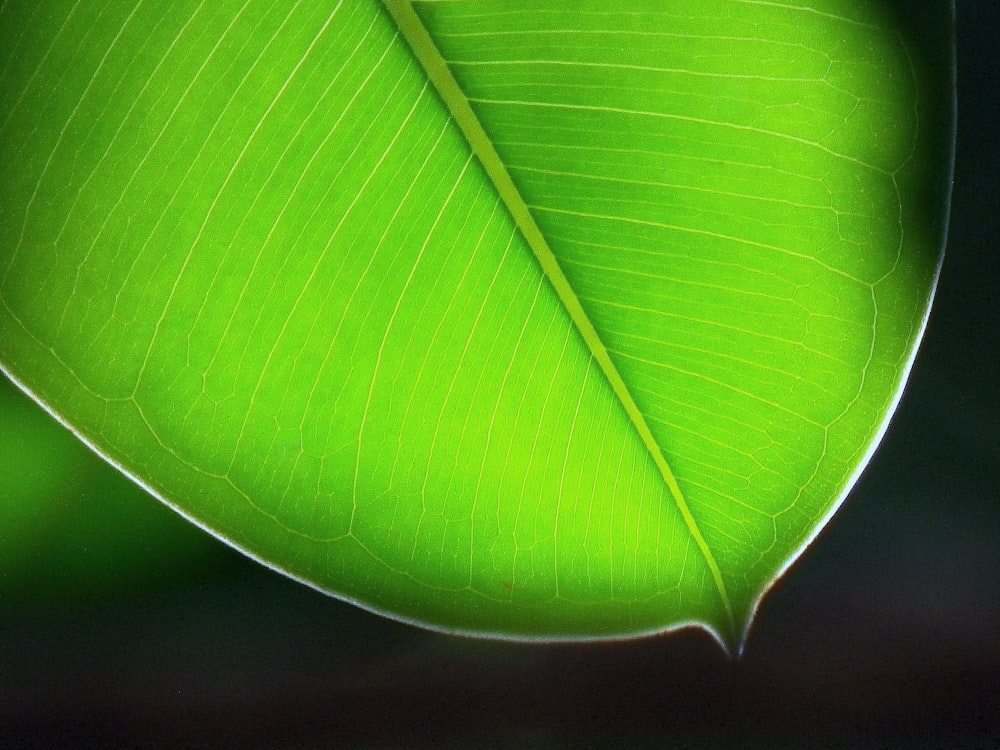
73 528
535 320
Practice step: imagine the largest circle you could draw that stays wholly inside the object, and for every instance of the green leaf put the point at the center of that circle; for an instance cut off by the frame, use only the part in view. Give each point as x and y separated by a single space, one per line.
517 320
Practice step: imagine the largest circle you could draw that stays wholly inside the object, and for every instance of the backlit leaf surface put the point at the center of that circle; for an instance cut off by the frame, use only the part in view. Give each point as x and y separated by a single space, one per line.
533 319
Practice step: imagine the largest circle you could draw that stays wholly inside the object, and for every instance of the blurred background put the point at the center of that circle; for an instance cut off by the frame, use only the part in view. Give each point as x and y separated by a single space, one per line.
123 626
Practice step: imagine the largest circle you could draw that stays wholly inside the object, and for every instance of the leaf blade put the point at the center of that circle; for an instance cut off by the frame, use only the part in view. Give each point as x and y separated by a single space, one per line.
279 291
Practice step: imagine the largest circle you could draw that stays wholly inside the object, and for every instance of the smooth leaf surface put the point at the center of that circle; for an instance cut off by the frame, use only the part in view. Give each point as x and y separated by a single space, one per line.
528 321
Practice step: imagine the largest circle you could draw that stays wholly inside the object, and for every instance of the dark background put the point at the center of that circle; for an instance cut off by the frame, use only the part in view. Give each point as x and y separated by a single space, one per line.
886 634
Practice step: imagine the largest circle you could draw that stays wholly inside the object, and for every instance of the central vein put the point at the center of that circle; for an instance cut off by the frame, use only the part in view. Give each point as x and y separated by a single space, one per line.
427 53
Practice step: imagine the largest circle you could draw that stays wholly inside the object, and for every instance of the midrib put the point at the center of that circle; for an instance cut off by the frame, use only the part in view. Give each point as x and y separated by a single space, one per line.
426 51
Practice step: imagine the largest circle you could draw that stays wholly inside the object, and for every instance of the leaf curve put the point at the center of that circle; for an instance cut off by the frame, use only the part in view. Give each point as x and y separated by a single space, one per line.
282 291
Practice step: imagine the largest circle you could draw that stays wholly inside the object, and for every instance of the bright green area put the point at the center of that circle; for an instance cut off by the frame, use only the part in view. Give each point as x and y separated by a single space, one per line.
611 383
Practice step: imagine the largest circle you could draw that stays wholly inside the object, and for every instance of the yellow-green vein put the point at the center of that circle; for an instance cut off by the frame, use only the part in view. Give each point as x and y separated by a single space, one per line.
426 52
